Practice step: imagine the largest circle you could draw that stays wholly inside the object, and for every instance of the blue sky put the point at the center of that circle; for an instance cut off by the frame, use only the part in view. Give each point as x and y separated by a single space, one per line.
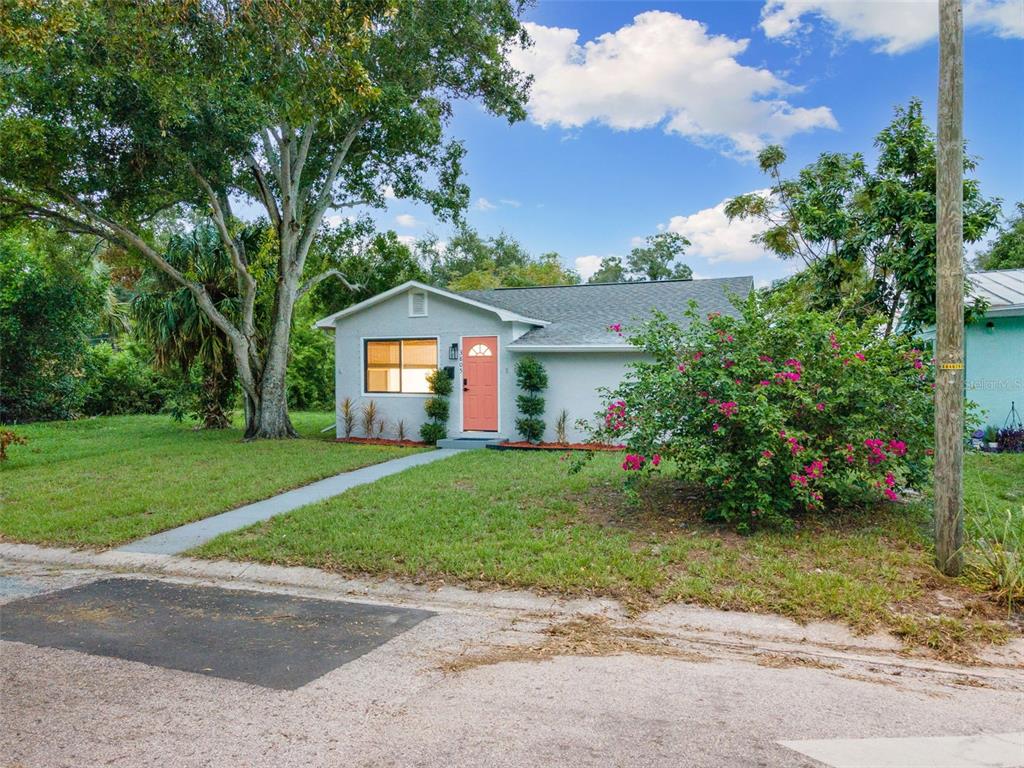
646 116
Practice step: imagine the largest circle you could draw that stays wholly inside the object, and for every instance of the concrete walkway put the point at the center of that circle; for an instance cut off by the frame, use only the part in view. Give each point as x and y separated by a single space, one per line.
185 537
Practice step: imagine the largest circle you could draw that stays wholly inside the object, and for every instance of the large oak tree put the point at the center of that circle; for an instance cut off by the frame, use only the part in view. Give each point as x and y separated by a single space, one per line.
112 112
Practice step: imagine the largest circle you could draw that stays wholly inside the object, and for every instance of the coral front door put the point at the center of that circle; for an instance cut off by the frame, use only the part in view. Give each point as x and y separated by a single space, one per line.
480 384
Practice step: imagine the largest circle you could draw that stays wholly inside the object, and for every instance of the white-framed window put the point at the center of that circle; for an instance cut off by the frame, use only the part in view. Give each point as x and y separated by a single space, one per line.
398 366
417 303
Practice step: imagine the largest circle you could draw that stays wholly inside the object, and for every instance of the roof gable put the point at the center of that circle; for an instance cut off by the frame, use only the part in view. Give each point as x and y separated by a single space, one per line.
329 322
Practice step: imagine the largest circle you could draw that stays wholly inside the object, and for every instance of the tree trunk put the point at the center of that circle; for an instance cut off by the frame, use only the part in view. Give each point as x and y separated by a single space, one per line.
270 412
214 400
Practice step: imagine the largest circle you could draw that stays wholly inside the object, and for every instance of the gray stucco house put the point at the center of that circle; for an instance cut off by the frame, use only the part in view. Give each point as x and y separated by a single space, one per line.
386 346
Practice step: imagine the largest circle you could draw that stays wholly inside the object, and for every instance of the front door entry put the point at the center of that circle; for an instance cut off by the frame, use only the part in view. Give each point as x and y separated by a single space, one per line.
480 384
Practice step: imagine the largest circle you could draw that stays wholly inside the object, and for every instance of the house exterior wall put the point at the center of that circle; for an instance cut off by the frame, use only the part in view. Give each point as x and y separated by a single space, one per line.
448 321
573 377
573 382
995 365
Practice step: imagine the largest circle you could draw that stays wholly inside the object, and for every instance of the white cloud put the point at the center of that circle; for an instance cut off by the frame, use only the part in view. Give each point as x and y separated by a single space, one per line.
406 220
510 203
716 239
483 204
408 240
894 27
662 69
587 265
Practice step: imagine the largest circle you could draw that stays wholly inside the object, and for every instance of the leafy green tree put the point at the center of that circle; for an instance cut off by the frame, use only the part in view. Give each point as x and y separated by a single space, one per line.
180 335
471 262
50 300
657 259
610 271
371 262
112 112
1006 250
866 237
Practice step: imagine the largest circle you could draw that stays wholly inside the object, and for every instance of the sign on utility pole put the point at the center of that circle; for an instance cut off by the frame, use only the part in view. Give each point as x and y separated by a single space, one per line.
949 294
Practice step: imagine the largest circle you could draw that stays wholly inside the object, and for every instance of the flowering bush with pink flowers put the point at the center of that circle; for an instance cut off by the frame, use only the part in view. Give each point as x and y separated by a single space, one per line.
777 412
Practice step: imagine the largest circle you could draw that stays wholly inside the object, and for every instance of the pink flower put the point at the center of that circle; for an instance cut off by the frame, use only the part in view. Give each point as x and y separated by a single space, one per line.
794 363
891 494
656 459
633 462
728 409
918 363
767 454
877 455
715 427
890 479
617 327
697 356
682 368
898 447
815 469
764 358
859 355
832 340
764 383
728 364
820 406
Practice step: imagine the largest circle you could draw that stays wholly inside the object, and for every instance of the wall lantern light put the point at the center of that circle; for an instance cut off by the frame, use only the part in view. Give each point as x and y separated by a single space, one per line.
453 352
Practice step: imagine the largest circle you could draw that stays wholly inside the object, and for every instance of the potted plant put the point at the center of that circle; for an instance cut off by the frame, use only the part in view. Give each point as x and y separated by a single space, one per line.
977 439
992 437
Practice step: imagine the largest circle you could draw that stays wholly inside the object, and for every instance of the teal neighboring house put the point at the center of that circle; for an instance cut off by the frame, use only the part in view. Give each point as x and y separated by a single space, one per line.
995 344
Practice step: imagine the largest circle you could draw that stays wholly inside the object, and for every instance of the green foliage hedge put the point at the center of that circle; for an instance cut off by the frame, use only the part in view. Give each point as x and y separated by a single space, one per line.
531 377
436 408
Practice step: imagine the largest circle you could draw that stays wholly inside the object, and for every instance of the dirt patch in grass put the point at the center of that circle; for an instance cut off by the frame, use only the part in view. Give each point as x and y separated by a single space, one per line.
579 636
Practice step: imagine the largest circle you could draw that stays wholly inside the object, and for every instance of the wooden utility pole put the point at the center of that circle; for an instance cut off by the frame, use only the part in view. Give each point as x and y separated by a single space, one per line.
949 295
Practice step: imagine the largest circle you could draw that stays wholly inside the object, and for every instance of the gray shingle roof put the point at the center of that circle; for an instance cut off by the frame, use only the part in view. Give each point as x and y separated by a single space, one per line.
581 314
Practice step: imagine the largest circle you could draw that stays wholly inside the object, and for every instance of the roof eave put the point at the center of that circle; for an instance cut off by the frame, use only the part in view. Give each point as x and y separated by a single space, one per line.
331 321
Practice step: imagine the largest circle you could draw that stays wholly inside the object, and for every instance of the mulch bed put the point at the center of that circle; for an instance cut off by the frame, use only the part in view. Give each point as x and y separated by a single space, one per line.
381 441
522 445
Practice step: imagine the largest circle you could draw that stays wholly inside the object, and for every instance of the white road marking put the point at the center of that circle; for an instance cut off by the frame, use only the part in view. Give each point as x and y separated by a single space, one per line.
984 750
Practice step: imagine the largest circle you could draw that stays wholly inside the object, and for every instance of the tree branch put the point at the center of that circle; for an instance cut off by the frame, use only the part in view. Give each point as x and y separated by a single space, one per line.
265 193
314 281
324 198
246 282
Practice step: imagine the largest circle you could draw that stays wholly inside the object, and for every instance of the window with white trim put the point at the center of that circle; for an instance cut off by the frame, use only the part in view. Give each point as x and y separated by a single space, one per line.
399 366
417 303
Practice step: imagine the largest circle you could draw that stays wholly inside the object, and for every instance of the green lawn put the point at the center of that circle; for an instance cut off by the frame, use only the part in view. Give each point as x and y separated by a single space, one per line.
519 519
108 480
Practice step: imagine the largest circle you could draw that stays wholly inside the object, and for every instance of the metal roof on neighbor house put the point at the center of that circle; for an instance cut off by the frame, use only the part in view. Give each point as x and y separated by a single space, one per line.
579 315
1003 289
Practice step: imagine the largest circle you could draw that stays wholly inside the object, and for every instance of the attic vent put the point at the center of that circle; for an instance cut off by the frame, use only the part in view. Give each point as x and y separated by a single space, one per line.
417 304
